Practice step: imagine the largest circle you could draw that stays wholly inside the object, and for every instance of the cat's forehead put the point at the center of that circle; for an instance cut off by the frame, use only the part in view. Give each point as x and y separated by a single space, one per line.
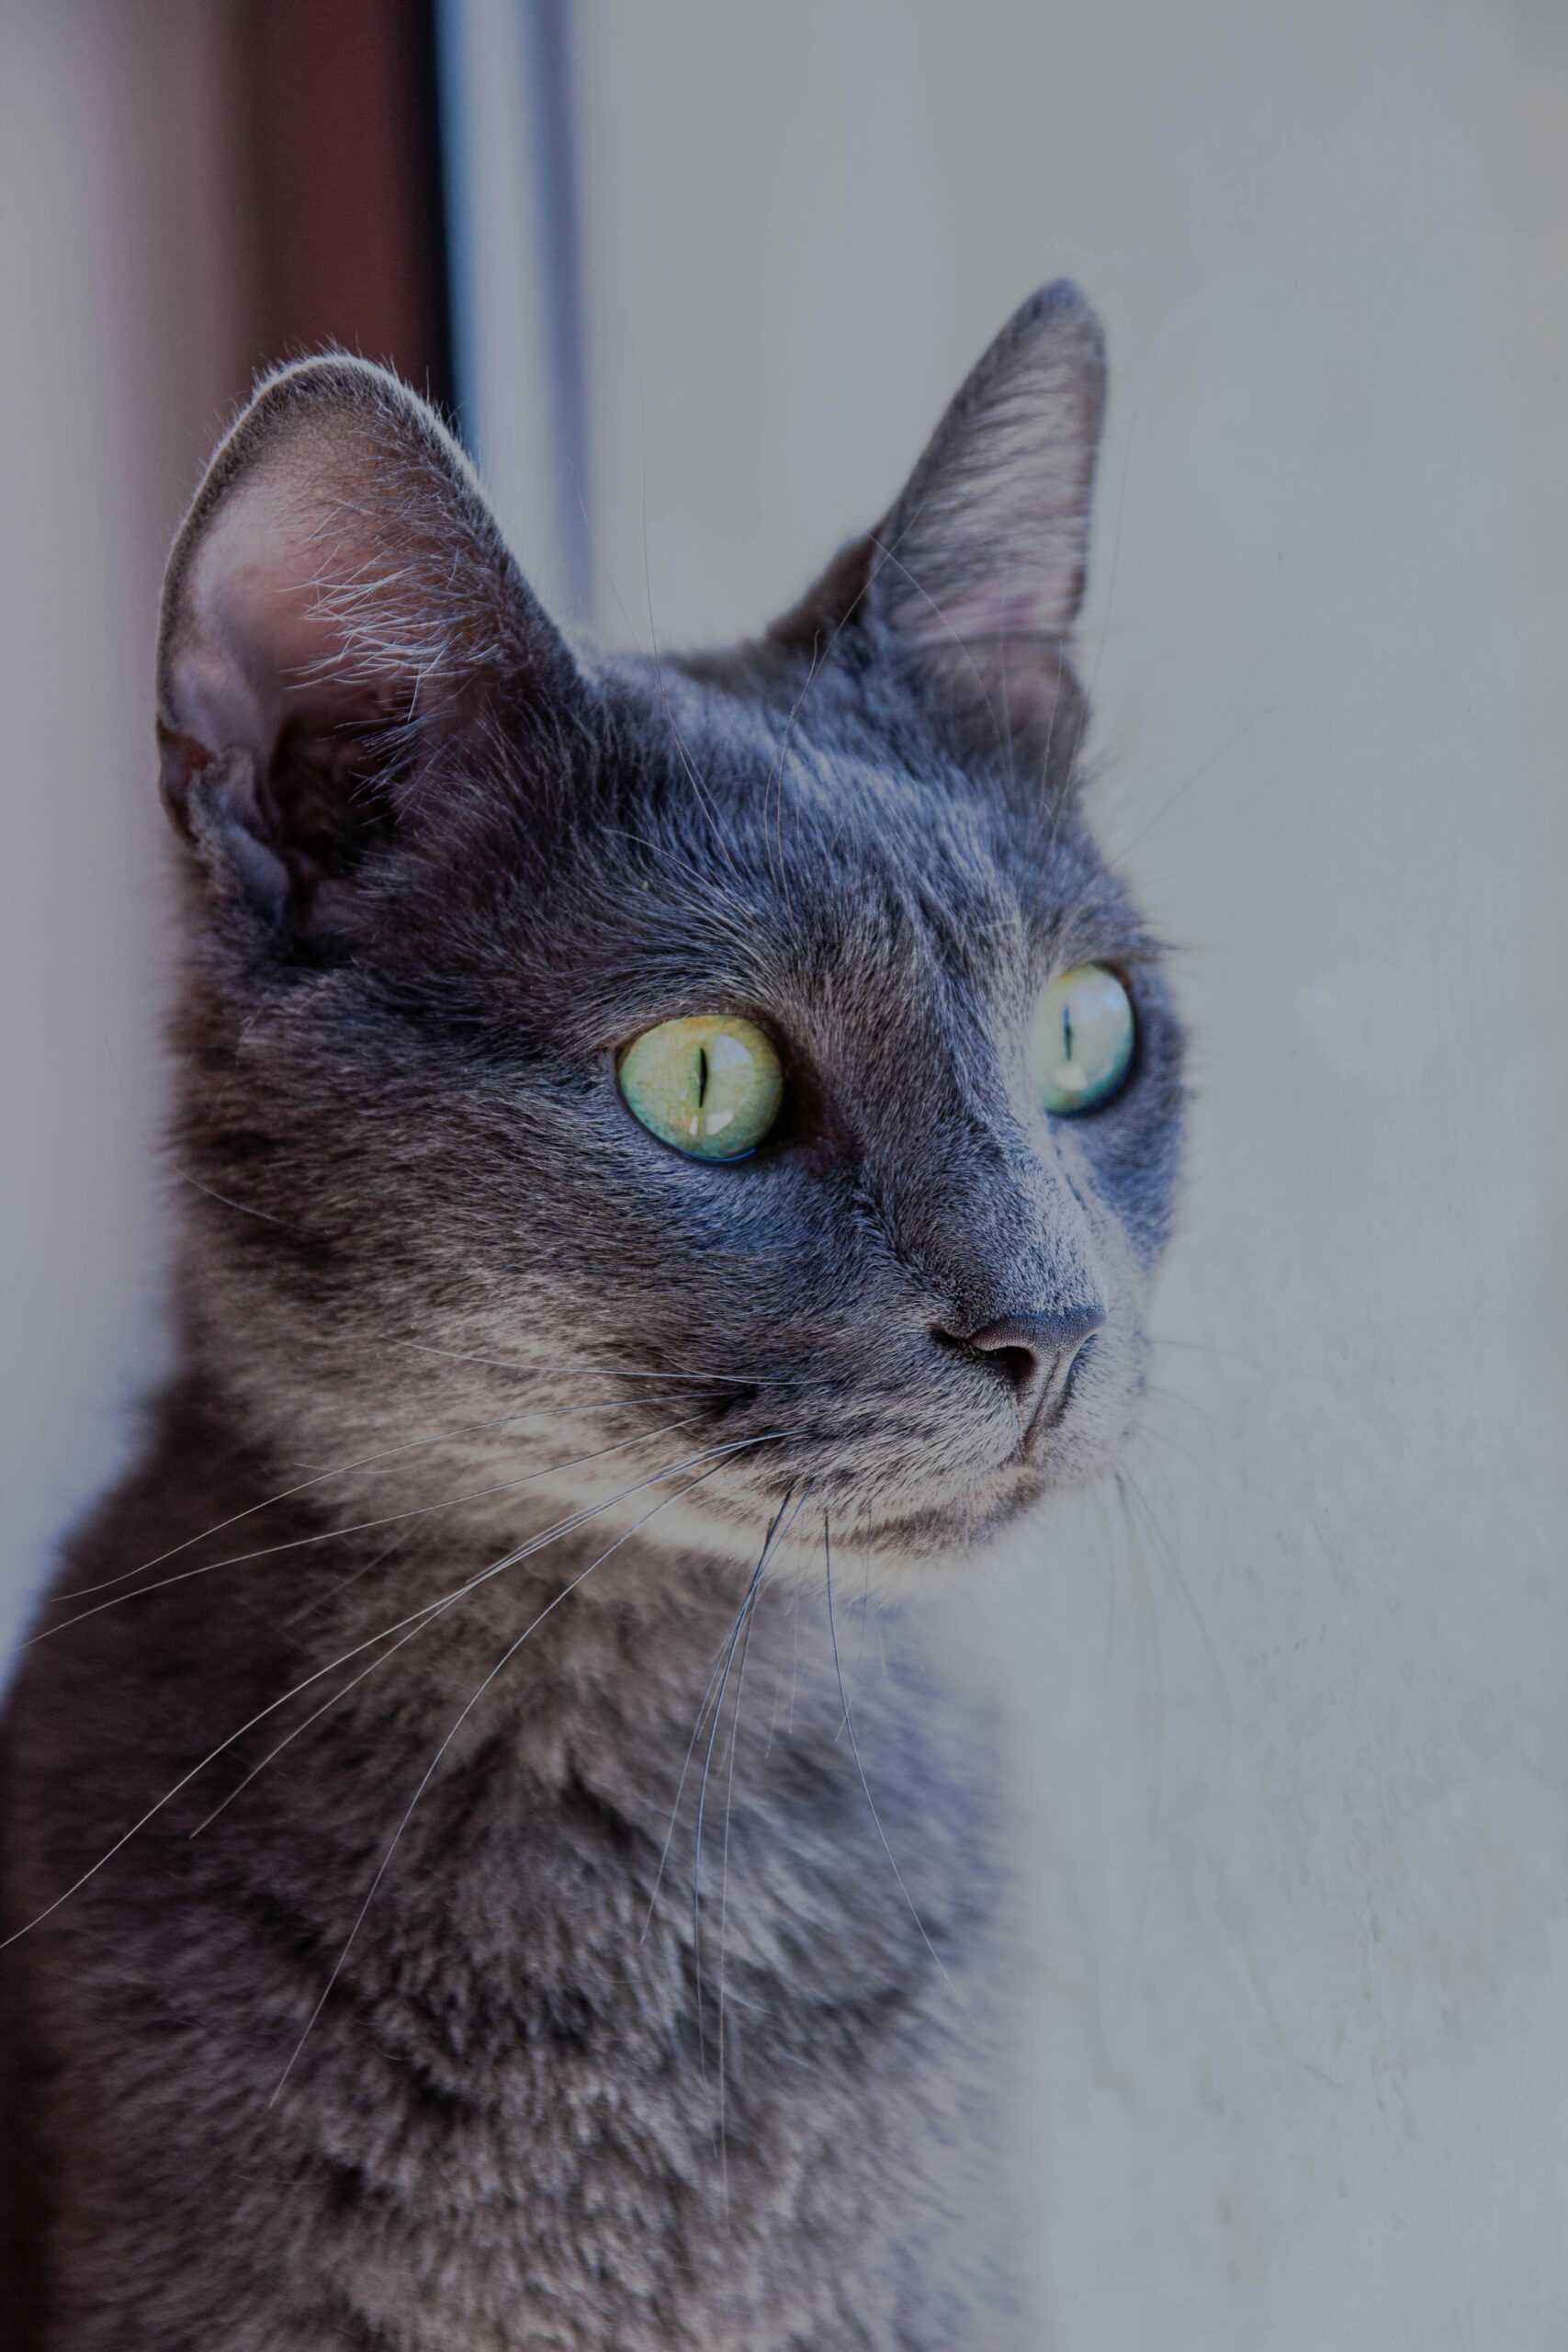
779 855
795 820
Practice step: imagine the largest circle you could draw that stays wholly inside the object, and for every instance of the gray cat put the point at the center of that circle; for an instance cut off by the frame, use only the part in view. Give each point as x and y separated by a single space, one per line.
672 1148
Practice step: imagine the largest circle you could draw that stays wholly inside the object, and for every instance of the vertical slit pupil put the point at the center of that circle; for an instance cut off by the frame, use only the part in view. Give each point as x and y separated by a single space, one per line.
702 1076
1066 1032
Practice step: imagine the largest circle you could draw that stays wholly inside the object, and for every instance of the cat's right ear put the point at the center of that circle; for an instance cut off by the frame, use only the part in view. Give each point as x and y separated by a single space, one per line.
340 609
972 583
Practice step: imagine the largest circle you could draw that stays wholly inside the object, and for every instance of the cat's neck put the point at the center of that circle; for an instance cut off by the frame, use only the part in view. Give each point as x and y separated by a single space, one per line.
566 1630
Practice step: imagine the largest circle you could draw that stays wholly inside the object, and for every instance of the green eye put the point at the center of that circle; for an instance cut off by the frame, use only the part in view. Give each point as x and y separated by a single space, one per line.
711 1084
1081 1044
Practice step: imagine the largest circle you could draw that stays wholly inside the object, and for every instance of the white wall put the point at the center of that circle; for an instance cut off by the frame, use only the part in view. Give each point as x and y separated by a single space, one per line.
1294 1748
115 310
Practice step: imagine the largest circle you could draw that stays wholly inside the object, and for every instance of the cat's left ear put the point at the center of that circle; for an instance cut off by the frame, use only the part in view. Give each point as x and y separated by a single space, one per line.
340 609
975 579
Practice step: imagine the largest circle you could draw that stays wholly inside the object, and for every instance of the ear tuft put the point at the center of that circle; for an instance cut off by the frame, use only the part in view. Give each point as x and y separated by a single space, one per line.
339 605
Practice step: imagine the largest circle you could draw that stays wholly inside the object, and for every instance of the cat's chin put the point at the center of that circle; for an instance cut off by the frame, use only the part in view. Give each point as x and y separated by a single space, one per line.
942 1542
951 1538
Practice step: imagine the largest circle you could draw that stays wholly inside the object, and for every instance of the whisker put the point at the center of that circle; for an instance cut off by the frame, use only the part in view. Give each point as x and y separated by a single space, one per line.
1175 1396
742 1620
1146 1429
457 1722
1163 811
865 1784
431 1609
697 1728
723 1865
595 1371
686 1766
1135 1493
242 1207
361 1526
314 1716
320 1600
338 1470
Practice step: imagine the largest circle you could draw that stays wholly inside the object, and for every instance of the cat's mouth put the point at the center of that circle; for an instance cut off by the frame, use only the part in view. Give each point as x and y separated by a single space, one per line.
908 1487
911 1459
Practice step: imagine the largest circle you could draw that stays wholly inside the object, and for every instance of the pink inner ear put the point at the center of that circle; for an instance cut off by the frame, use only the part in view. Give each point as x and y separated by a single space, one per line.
998 555
986 549
1025 607
338 605
262 626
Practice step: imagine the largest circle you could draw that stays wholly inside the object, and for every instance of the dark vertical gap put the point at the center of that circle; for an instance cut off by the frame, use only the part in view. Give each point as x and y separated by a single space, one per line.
251 133
426 107
343 140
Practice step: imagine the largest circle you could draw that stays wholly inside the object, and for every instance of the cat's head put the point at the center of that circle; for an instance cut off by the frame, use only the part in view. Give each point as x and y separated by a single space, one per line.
875 1221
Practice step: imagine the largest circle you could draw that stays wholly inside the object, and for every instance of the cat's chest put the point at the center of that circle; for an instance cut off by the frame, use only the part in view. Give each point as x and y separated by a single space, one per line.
576 2053
556 2051
645 1944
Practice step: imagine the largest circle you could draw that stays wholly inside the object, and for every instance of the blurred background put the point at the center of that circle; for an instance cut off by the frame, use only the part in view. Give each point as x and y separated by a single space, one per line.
695 280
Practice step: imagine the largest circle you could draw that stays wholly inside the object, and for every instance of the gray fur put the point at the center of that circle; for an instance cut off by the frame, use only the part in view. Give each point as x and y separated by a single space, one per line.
440 868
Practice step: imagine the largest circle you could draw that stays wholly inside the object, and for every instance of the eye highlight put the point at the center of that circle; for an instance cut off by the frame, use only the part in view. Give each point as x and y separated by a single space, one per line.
1081 1045
710 1084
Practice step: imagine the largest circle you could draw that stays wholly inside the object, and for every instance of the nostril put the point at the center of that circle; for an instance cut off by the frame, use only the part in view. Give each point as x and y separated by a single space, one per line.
1019 1364
1034 1353
1046 1333
1015 1364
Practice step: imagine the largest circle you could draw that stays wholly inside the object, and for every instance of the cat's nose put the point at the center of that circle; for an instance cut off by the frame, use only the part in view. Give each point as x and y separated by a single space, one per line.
1035 1353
